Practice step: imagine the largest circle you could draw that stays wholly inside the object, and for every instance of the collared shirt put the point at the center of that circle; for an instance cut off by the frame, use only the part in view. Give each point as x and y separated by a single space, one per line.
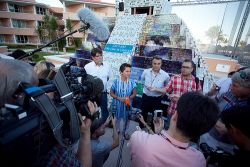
148 150
158 80
103 72
178 86
224 84
228 100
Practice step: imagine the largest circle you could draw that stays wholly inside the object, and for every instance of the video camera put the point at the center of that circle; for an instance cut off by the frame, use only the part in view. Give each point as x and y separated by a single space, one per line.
214 156
28 131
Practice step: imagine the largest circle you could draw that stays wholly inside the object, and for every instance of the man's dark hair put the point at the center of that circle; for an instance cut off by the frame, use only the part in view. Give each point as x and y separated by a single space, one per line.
231 73
237 116
123 67
97 123
189 61
95 51
157 58
197 114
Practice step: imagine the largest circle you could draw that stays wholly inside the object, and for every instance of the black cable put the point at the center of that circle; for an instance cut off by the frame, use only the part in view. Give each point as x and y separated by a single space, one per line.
118 164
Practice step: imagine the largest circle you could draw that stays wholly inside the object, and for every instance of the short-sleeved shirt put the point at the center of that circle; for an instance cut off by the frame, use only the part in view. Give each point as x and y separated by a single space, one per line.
100 152
103 72
178 86
121 89
149 150
150 79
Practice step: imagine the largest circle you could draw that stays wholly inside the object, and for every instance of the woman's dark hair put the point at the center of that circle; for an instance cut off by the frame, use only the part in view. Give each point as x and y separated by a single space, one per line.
123 67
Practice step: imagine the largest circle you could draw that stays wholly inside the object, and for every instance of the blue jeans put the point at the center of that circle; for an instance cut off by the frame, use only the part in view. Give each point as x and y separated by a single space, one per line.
104 106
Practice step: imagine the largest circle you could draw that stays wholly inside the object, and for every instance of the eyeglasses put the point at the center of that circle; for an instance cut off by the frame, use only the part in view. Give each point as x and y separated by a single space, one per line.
243 75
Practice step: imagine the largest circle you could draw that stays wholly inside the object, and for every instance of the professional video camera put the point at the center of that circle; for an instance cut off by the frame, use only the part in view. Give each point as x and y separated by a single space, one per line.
28 132
216 157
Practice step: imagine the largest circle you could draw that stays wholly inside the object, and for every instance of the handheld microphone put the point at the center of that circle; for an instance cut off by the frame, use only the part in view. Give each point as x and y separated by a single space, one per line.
96 25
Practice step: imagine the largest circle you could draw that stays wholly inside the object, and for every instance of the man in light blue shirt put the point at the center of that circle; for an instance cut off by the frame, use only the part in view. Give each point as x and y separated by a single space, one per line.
153 77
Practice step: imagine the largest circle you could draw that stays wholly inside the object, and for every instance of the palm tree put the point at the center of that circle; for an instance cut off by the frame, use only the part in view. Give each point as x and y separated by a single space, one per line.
69 28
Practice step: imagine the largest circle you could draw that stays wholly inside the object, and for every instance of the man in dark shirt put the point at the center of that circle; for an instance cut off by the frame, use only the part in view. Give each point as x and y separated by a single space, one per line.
236 120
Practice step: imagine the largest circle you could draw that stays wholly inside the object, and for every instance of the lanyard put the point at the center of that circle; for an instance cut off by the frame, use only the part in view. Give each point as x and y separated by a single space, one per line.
165 137
153 79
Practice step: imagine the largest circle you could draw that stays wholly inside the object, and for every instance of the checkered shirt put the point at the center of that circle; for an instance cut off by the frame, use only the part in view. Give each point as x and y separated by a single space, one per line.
177 85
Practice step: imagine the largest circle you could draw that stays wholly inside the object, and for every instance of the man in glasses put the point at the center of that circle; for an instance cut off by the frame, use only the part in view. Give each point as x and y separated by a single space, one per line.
179 84
239 95
101 70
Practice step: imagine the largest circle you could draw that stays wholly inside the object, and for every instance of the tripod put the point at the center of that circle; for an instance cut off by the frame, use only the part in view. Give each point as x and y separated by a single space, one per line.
119 162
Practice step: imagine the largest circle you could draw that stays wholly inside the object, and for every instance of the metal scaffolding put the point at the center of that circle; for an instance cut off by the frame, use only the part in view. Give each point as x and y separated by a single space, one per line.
200 2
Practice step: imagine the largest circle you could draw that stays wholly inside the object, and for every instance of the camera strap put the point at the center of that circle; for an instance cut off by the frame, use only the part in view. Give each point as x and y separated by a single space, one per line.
67 99
48 108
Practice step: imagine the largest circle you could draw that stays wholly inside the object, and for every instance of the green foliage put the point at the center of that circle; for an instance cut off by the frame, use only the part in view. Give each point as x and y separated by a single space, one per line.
78 42
19 46
40 56
71 49
216 35
62 43
68 25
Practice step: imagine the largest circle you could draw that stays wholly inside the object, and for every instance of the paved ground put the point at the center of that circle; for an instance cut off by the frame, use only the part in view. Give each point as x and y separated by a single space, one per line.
112 160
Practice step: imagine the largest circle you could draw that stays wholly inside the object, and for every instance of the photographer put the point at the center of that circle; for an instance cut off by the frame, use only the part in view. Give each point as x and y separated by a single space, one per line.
101 149
195 115
25 150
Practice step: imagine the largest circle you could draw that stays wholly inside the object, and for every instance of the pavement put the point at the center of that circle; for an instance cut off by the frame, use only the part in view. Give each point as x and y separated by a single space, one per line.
113 157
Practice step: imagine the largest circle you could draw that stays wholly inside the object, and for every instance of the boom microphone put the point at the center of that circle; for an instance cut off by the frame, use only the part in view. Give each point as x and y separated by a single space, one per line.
97 26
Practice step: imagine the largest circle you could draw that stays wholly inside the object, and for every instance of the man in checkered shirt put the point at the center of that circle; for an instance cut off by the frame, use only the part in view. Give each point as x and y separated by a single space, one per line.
180 84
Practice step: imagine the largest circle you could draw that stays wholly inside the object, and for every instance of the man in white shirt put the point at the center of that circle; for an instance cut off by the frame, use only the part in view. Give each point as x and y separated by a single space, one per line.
152 77
101 70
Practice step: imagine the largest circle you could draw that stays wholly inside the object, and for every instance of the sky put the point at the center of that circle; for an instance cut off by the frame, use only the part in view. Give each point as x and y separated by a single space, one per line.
199 18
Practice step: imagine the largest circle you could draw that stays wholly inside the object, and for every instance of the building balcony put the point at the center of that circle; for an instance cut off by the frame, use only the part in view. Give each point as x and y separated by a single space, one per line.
20 16
71 16
18 31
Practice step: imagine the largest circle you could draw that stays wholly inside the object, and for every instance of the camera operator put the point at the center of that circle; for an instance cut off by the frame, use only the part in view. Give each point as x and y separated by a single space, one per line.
195 115
11 74
101 149
236 120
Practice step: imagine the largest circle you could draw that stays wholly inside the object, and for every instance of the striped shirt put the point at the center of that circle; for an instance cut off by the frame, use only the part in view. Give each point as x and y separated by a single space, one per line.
121 89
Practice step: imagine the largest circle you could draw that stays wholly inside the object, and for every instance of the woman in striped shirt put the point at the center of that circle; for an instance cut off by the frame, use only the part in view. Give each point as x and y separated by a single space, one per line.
123 91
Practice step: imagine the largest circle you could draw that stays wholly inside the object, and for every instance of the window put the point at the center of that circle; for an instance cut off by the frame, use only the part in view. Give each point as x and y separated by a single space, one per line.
40 10
15 8
142 10
40 23
1 39
21 39
18 23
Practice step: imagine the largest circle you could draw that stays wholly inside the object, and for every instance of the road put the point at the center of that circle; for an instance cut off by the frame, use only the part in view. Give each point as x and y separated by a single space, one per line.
112 160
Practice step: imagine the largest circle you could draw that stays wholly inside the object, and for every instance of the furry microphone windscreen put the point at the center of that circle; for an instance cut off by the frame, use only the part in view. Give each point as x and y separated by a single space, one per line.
97 26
